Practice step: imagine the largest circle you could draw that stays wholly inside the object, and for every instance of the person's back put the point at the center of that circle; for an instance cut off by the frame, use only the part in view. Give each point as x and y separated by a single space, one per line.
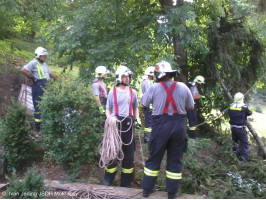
170 101
146 84
238 113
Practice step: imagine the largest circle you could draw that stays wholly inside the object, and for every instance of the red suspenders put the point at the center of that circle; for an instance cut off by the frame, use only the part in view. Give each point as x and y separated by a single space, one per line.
169 98
130 104
103 93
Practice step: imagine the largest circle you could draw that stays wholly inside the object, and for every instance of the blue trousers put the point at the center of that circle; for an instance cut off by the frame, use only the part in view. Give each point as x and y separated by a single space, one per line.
148 122
37 93
168 134
239 136
192 121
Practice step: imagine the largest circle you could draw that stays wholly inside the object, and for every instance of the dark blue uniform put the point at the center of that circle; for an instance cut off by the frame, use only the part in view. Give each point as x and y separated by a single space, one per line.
238 120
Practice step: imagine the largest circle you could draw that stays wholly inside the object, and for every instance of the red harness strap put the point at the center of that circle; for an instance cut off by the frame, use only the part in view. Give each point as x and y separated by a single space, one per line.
130 104
169 98
101 88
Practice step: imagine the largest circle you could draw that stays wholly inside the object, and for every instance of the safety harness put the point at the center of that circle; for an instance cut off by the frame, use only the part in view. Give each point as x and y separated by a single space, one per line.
101 88
130 104
169 98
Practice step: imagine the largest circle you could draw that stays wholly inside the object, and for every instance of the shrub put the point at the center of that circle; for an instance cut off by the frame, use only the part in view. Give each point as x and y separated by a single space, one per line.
32 187
71 124
15 137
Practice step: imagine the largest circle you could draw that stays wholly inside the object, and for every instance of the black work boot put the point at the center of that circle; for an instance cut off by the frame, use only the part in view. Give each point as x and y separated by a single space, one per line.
171 195
146 193
106 183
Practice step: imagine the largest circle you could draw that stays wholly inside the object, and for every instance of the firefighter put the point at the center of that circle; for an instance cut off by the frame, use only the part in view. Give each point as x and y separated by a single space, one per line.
149 73
99 88
170 101
192 115
238 113
122 103
40 73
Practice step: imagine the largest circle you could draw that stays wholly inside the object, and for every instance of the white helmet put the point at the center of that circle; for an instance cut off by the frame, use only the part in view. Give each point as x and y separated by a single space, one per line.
149 71
100 71
239 97
162 68
144 77
40 51
122 71
199 79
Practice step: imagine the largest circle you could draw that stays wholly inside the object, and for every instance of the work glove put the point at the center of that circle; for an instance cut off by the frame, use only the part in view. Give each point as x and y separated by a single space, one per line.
138 123
101 110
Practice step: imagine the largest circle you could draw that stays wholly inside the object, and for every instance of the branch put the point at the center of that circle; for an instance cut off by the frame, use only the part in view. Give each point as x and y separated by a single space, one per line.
251 129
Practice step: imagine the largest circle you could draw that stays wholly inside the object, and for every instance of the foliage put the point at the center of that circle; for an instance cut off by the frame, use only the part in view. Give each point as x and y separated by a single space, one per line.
71 124
15 137
25 18
211 175
31 187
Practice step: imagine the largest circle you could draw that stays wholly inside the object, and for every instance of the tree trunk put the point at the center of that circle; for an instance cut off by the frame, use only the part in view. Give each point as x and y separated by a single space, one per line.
251 129
180 55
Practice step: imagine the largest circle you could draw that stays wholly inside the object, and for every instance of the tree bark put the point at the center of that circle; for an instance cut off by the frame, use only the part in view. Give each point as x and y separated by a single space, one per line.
251 129
180 55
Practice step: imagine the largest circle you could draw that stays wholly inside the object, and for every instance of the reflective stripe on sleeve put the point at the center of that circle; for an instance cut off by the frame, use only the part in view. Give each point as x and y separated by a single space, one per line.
112 170
173 175
149 172
127 171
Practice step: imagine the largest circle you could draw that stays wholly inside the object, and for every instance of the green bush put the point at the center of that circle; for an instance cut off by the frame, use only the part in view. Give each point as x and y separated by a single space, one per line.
71 124
31 187
15 137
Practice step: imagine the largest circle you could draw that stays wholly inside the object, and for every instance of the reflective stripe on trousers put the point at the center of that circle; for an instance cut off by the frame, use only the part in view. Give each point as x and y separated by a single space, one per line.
168 134
127 162
37 92
192 121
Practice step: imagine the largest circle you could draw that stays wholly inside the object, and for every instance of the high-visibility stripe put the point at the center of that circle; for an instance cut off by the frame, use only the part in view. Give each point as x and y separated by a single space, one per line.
172 175
127 171
149 172
37 120
40 71
233 108
147 129
192 128
112 170
169 98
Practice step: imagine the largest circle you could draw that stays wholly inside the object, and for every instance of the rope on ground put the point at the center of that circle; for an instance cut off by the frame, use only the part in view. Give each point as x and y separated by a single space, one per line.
111 145
222 113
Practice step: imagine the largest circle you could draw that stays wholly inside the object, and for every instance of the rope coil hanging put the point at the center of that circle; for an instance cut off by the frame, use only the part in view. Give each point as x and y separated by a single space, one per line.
111 145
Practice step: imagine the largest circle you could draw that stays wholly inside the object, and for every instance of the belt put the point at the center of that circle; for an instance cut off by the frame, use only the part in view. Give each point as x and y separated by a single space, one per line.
237 126
158 116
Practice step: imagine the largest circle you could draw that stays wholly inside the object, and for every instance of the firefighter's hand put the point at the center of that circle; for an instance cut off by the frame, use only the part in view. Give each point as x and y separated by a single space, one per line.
101 110
138 123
